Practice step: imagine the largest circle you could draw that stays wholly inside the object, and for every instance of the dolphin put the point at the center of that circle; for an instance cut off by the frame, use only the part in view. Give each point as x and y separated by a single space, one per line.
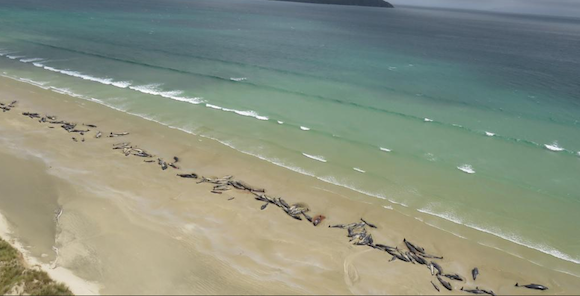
438 267
489 292
399 256
111 135
414 248
474 291
445 284
533 286
408 255
317 219
474 273
337 226
419 259
191 176
162 163
367 223
435 286
283 202
306 216
454 277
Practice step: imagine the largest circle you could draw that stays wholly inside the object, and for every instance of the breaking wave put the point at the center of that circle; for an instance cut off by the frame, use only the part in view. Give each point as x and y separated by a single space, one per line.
248 113
554 147
31 60
153 89
466 168
319 158
506 236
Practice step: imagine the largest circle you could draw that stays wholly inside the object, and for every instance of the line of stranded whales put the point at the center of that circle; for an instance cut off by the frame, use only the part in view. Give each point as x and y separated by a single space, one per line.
6 108
356 232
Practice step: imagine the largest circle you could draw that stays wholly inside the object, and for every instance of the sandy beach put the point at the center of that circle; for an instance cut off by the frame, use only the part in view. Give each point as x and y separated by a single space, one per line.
129 227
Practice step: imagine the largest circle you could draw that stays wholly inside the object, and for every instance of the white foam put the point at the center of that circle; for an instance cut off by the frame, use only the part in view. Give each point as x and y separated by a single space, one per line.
238 79
450 232
388 207
430 156
68 92
489 134
14 57
304 128
106 81
76 74
248 113
121 84
30 81
466 168
385 149
213 106
427 119
359 170
334 181
326 179
554 147
153 89
506 236
392 68
319 158
280 122
31 60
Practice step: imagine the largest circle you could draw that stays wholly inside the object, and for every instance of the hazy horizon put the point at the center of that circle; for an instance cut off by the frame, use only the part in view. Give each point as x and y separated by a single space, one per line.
565 8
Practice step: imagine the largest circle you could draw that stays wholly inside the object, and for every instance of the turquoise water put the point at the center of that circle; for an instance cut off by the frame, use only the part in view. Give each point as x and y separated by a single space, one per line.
441 115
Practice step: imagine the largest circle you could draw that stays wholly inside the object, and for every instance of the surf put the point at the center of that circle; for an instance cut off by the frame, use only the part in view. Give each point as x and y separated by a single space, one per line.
466 168
508 237
247 113
318 158
554 147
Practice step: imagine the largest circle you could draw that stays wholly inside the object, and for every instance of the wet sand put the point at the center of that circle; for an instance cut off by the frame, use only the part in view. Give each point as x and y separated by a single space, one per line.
129 227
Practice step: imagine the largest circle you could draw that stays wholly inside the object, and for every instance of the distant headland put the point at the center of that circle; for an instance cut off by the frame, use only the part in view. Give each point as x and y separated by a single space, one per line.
373 3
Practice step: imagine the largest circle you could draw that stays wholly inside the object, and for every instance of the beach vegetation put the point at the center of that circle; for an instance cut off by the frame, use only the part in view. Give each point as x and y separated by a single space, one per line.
18 279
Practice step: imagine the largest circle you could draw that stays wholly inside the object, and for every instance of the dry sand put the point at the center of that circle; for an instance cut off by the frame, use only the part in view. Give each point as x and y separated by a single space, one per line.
127 227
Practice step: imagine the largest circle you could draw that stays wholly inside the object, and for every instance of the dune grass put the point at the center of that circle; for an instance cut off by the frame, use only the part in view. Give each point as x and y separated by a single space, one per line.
16 278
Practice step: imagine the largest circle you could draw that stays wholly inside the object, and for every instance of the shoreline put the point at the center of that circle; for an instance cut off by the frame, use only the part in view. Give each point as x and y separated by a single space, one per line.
323 197
452 217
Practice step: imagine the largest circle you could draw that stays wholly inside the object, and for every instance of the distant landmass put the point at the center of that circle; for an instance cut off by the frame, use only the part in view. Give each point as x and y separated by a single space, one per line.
373 3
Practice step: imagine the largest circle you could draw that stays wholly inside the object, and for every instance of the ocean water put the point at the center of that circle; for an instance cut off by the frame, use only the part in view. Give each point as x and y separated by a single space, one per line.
468 121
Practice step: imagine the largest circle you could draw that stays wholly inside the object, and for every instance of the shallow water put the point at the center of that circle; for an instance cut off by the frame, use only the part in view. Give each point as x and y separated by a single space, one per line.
479 112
